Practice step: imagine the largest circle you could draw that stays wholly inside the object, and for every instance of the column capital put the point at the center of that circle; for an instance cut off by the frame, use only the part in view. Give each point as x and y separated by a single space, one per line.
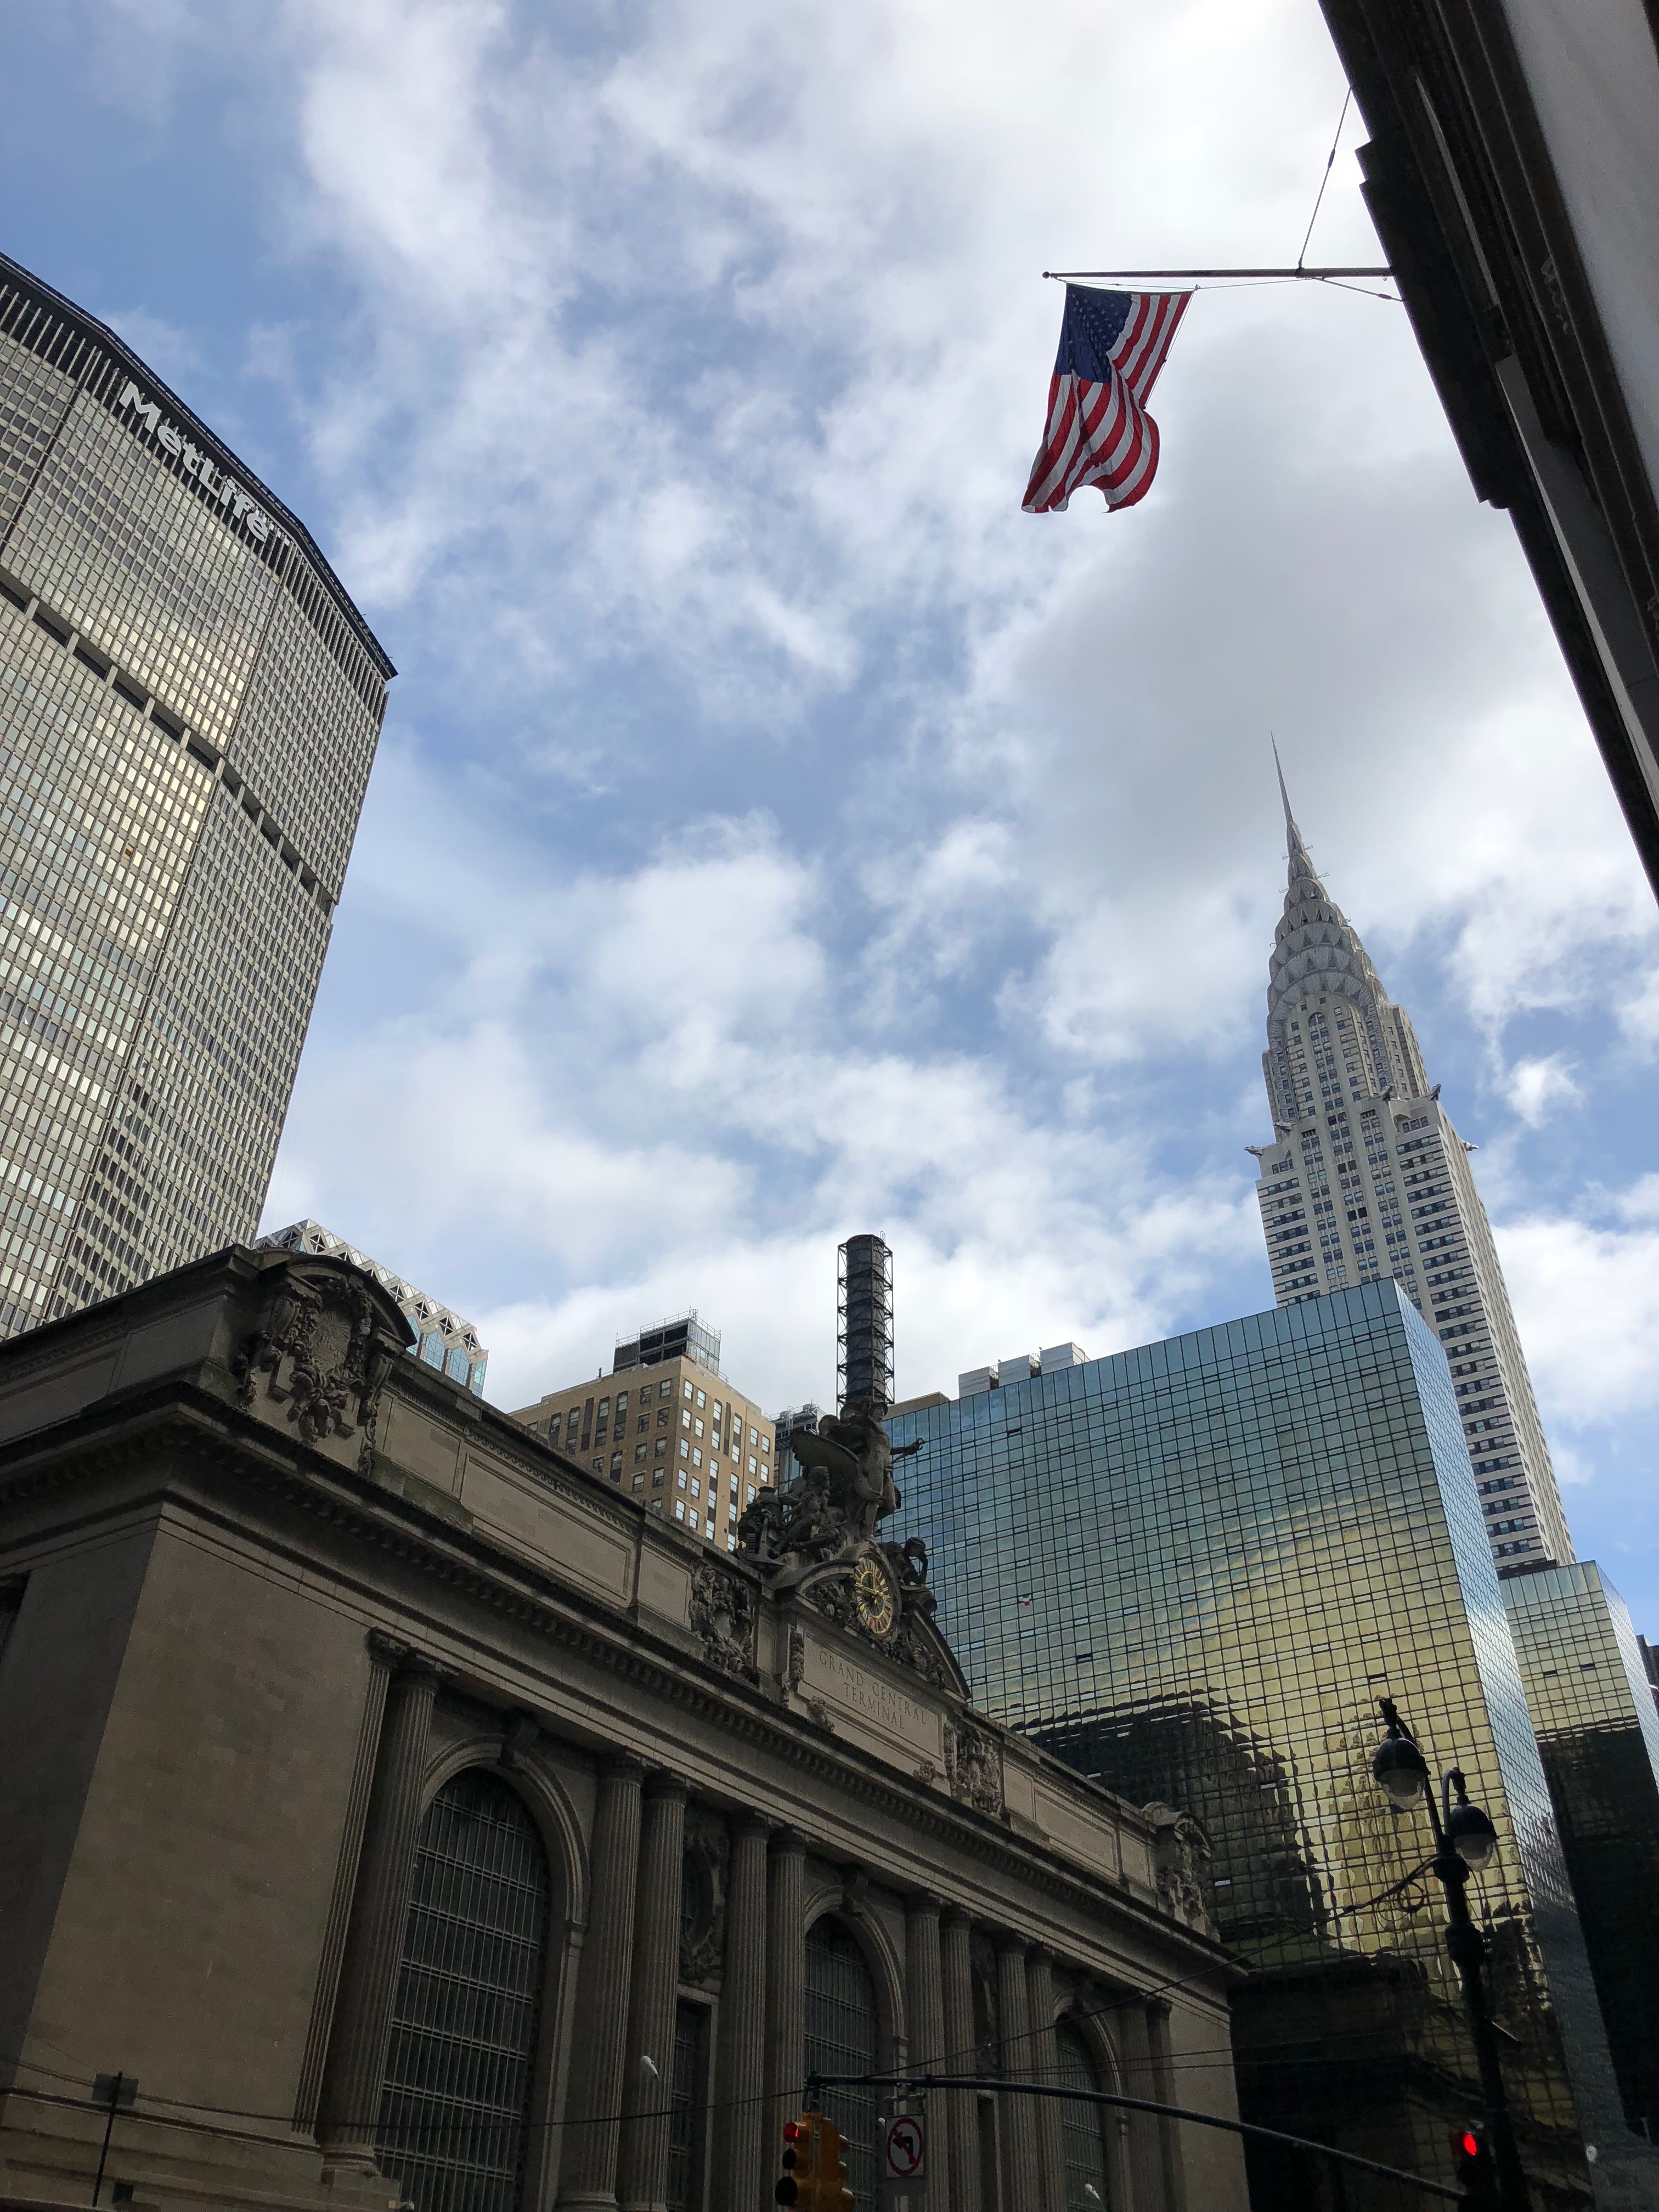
956 1916
745 1821
1010 1945
663 1782
399 1657
924 1904
1158 2007
386 1649
622 1766
787 1842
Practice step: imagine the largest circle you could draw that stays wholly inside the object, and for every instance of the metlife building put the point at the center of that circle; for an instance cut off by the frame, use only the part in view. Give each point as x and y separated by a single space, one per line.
189 709
1191 1570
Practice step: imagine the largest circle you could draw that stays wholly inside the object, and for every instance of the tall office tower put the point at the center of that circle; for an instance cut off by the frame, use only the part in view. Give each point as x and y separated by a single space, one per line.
666 1427
1592 1707
443 1339
1192 1571
189 707
1367 1178
864 1323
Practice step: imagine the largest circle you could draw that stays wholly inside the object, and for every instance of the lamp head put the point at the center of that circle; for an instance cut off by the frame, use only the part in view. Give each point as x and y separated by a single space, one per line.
1468 1830
1398 1766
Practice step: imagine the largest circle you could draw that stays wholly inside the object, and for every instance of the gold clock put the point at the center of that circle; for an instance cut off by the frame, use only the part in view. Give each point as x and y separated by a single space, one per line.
872 1594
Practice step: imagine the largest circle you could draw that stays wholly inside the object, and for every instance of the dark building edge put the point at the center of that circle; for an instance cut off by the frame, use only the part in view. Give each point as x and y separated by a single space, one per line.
1482 189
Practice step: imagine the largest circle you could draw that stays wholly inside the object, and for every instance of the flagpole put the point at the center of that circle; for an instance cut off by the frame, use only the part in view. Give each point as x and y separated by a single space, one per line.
1314 276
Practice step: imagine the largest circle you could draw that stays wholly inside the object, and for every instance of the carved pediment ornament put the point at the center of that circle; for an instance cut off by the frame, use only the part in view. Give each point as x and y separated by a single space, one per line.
1181 1859
973 1764
322 1350
724 1614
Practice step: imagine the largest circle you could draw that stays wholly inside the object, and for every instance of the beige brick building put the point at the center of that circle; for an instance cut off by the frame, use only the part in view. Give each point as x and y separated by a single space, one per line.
665 1428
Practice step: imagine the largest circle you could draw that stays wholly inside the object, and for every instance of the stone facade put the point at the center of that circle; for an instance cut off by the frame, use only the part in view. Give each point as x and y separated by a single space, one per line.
270 1590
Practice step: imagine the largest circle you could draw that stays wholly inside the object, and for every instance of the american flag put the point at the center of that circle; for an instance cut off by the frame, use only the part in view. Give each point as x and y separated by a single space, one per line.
1112 345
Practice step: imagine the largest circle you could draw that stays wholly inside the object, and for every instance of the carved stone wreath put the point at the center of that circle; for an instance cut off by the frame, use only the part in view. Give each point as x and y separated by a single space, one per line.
723 1613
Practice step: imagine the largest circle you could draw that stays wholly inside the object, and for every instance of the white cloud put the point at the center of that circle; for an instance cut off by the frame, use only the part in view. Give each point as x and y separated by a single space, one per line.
1537 1088
1587 1301
776 833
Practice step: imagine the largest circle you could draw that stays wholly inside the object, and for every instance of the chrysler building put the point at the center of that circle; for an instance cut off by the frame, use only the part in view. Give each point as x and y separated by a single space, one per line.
1366 1177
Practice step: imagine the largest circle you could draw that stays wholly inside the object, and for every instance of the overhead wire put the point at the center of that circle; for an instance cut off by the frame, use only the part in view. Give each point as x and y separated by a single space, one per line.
1210 2055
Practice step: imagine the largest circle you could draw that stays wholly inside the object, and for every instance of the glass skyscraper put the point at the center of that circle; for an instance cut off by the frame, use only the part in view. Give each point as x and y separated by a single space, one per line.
189 709
1192 1571
1592 1706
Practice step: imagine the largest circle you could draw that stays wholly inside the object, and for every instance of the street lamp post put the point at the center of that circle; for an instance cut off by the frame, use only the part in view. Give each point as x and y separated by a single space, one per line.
1464 1841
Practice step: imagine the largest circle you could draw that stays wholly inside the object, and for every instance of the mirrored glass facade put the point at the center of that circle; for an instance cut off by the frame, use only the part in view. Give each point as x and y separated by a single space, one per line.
1192 1570
189 709
1598 1732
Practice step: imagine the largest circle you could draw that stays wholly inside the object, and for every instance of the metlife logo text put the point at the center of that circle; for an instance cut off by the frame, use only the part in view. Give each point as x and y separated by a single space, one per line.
213 481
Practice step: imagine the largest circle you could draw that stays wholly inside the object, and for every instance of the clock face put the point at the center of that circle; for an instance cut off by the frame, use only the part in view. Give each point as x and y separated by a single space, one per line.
872 1594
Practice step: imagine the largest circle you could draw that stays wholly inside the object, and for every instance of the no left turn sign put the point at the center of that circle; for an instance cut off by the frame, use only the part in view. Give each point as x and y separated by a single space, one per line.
906 2147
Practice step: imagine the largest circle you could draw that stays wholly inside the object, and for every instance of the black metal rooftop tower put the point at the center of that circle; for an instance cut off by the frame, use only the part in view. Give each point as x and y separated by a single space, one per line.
864 1334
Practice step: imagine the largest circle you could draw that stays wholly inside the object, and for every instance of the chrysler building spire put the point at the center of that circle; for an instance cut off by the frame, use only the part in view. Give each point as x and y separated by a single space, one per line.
1367 1178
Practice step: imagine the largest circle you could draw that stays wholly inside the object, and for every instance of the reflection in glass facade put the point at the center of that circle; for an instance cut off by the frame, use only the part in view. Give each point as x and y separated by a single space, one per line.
1598 1732
189 709
1192 1570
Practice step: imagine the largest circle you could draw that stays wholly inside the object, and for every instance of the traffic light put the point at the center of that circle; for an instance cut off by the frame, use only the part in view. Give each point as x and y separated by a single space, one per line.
814 2176
795 2139
1477 2173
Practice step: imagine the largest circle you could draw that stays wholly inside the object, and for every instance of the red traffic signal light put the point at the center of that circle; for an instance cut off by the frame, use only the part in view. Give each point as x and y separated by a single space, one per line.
787 2191
1477 2172
814 2176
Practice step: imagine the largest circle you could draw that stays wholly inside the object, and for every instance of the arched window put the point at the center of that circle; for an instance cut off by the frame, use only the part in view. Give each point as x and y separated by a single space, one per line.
843 2032
458 2078
1083 2127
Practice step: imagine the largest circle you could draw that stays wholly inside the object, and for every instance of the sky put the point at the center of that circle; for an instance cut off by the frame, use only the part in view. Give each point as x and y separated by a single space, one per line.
776 834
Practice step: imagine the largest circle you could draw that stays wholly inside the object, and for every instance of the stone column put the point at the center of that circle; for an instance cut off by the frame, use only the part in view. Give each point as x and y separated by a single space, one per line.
1146 2156
1019 2134
786 1984
1045 2067
644 2171
356 2074
925 2002
956 2116
740 2077
1164 2085
599 2062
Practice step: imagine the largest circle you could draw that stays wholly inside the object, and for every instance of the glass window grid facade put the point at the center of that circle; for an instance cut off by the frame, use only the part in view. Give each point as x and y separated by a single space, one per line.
843 2037
453 2111
1598 1733
1193 1569
160 945
1083 2127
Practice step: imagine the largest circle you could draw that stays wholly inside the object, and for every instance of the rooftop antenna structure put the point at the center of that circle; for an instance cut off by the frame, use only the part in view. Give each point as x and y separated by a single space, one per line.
864 1323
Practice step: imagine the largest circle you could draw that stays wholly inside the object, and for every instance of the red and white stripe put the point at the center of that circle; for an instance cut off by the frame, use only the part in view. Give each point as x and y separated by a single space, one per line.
1101 434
